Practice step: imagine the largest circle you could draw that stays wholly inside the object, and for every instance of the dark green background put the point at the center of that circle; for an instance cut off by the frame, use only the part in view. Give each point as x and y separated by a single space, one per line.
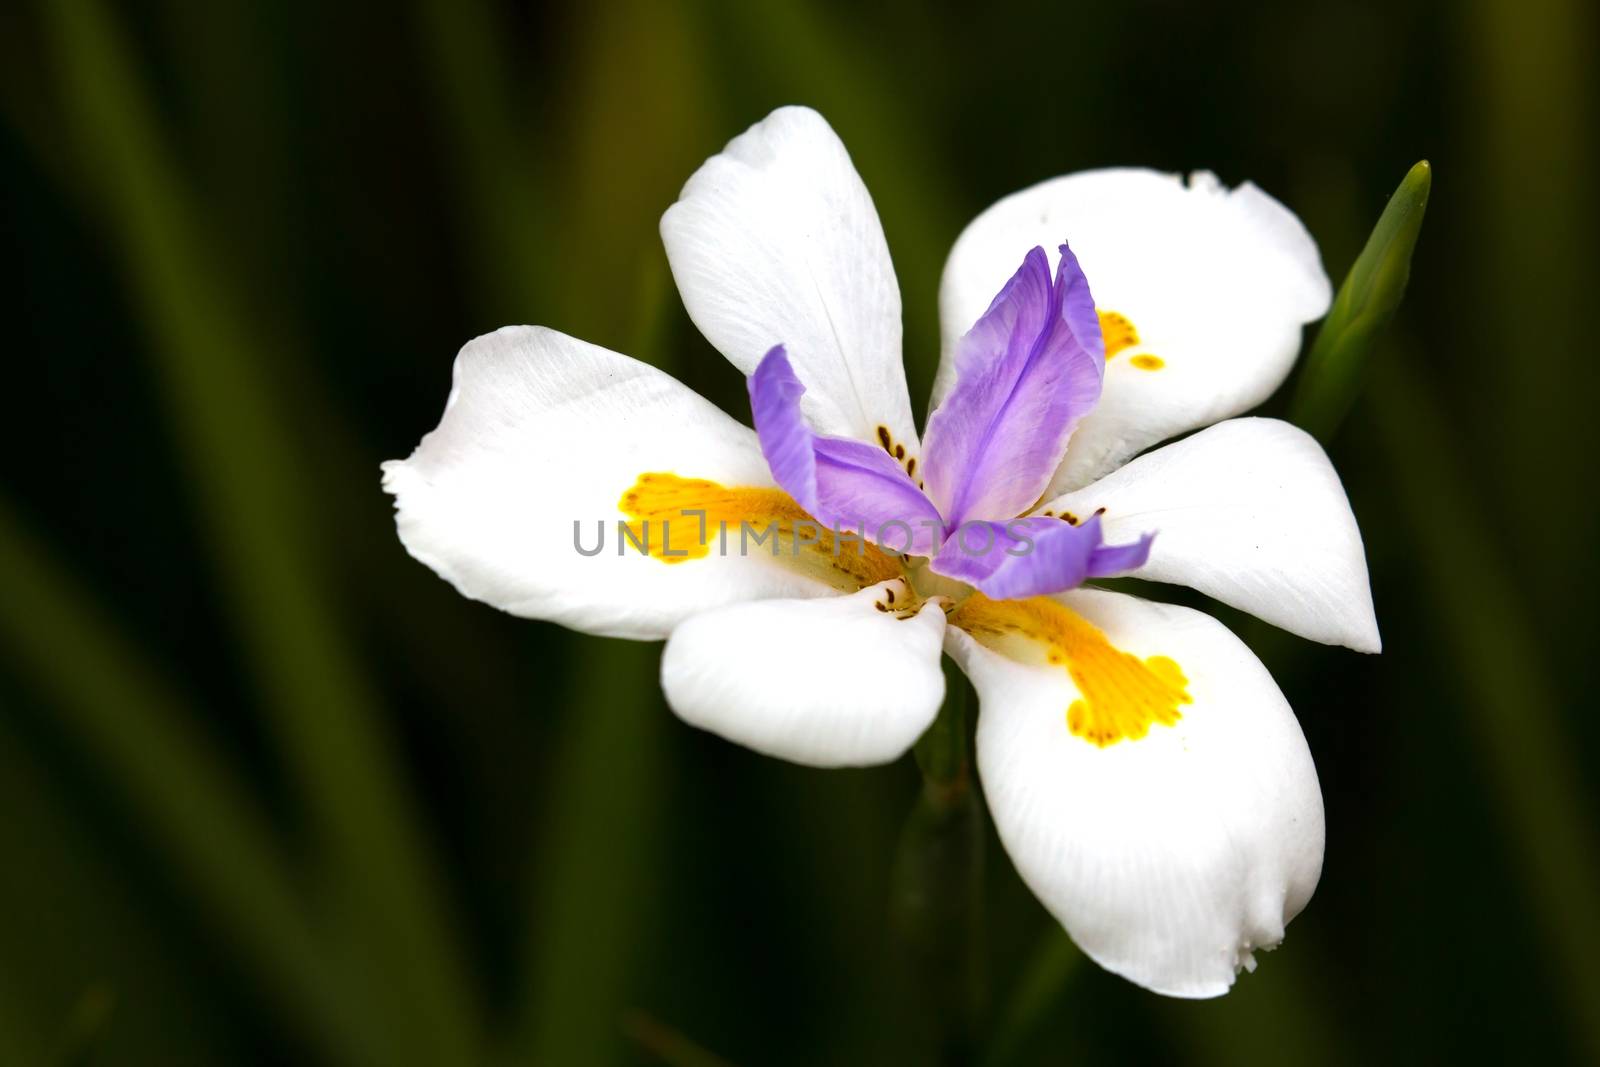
270 792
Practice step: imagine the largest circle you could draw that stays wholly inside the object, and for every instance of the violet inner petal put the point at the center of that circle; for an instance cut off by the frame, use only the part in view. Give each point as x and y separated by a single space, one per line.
1026 372
843 484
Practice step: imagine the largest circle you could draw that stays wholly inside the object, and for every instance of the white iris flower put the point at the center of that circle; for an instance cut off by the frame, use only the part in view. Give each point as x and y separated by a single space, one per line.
1146 775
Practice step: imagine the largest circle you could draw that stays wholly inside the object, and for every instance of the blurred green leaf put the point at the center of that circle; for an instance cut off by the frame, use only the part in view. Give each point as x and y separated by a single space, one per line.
19 1043
1504 685
233 427
497 182
1038 992
668 1046
1332 374
586 915
86 1026
135 732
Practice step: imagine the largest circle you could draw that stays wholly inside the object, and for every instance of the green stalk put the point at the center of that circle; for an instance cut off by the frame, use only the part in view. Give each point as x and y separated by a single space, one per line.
937 889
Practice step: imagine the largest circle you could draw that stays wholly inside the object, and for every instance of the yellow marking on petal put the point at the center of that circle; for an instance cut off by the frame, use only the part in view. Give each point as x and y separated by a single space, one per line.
1119 695
1117 331
676 519
1148 362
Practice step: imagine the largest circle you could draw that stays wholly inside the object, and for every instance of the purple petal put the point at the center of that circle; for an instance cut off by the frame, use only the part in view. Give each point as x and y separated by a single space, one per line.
843 484
1032 557
1119 559
1025 374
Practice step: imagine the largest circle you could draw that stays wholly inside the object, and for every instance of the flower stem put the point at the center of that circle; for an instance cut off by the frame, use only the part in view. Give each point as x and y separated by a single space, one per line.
943 753
938 881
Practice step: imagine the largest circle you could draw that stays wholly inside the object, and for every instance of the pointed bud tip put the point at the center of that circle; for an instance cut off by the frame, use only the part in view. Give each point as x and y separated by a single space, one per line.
1418 182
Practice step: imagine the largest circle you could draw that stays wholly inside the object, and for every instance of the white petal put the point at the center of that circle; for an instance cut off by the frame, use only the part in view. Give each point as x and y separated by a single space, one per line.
1250 512
1172 857
775 241
834 682
1216 282
542 431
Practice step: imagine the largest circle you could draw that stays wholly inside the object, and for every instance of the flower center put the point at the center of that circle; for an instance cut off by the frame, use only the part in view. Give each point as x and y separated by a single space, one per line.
1119 695
676 519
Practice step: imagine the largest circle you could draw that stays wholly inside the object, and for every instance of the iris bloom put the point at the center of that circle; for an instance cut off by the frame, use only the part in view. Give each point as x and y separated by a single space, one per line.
1145 774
